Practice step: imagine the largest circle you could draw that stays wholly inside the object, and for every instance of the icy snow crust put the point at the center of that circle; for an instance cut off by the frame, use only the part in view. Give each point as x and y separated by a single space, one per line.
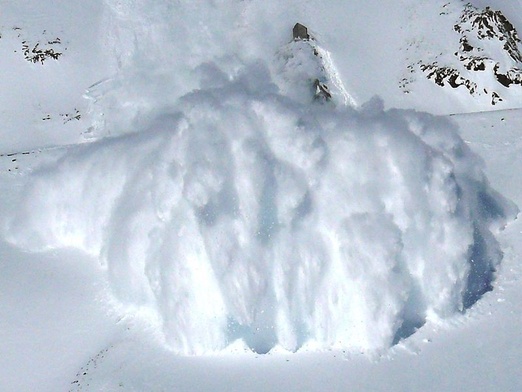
239 209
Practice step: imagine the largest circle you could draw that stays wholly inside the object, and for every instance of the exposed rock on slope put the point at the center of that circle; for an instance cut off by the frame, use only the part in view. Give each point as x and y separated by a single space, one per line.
489 49
306 71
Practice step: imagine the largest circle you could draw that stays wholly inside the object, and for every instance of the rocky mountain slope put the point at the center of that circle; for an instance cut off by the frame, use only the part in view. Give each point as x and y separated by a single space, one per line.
488 59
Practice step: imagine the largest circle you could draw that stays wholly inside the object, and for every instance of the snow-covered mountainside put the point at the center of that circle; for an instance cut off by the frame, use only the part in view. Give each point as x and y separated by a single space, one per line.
249 177
57 51
489 58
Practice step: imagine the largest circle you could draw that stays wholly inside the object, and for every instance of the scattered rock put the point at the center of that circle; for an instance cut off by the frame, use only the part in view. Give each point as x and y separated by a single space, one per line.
76 115
447 76
41 50
480 30
35 54
489 24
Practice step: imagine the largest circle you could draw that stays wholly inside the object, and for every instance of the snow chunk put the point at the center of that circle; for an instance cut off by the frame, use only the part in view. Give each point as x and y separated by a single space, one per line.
242 214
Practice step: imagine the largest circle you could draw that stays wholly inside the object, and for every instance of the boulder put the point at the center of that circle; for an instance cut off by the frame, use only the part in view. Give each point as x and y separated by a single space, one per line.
301 32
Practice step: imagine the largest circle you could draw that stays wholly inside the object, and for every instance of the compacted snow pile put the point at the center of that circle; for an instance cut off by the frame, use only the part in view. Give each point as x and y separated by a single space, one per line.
239 213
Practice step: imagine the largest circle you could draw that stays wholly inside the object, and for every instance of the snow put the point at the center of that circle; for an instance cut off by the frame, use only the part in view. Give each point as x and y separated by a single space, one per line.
207 205
475 351
34 92
243 214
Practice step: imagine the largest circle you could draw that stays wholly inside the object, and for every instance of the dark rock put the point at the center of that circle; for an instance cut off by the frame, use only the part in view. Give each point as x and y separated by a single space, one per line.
300 32
464 45
502 79
491 24
513 76
476 25
495 98
447 75
321 91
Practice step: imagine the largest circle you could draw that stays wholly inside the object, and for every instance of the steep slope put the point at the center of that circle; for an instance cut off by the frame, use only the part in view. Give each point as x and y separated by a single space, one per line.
132 54
488 59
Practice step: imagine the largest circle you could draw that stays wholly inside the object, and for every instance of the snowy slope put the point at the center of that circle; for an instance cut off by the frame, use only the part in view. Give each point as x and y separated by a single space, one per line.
133 55
205 200
42 102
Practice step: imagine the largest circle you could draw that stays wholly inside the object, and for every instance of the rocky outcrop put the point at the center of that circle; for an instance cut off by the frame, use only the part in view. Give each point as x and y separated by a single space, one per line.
300 32
488 24
447 76
488 44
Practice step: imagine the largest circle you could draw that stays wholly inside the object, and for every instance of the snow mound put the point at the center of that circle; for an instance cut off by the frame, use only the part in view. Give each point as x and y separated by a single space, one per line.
239 213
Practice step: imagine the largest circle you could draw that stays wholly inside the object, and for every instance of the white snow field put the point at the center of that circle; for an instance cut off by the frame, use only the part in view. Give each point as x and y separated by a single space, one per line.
180 212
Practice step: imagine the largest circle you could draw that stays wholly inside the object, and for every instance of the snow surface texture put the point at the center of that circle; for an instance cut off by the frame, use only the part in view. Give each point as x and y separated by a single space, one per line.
239 213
